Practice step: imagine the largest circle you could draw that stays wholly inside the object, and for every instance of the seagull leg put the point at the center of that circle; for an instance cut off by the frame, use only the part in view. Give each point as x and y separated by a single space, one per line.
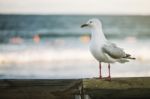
100 73
109 76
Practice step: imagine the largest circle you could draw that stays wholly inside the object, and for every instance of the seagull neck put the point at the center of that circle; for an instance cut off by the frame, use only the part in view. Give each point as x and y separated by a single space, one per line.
97 35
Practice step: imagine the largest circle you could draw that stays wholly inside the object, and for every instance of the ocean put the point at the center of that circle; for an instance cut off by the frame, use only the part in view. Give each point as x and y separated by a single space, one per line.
55 47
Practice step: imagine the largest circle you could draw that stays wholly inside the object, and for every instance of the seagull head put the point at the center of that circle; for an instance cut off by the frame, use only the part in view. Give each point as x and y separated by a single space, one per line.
92 23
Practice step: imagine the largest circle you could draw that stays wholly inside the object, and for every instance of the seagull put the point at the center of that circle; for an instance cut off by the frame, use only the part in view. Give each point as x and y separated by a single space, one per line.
102 49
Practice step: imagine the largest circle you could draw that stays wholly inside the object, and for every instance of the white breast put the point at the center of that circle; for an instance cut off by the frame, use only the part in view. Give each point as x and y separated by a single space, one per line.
97 52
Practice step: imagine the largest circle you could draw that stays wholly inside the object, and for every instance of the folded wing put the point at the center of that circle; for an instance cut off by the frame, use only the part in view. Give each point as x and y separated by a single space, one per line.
113 51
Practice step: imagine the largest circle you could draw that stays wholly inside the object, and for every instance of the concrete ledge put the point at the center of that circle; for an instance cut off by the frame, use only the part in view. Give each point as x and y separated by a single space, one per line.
118 88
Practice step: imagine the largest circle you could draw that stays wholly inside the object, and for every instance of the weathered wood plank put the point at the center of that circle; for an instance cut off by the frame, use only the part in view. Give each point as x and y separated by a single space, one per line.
118 88
39 89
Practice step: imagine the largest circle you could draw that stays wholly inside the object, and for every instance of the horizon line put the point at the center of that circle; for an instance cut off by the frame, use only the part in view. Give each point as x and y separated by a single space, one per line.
115 14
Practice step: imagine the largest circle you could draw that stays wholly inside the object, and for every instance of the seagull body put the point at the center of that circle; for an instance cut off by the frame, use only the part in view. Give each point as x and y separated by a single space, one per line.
102 49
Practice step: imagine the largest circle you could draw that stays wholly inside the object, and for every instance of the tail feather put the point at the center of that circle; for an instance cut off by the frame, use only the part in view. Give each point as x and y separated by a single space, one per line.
123 60
128 56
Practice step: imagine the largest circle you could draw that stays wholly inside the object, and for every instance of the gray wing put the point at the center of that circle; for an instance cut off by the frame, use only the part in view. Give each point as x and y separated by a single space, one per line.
113 51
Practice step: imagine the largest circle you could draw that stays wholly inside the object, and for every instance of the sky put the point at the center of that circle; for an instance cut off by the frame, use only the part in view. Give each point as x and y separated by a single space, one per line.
133 7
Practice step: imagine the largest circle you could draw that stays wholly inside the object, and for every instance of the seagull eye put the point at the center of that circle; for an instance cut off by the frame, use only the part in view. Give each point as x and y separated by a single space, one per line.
90 21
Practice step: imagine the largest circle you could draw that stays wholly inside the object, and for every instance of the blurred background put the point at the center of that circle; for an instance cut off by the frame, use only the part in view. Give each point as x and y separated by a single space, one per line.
43 39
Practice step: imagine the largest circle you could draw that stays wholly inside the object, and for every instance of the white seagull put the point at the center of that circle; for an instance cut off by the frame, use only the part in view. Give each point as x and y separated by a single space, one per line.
102 49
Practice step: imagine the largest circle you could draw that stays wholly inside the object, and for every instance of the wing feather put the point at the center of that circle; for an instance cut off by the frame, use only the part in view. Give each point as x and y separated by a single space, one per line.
112 50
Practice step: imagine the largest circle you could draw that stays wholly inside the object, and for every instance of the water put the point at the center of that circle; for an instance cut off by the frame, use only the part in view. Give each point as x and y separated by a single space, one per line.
54 46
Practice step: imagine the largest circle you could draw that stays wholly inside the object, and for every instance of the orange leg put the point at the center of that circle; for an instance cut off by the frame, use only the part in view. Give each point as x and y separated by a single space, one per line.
100 73
109 76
